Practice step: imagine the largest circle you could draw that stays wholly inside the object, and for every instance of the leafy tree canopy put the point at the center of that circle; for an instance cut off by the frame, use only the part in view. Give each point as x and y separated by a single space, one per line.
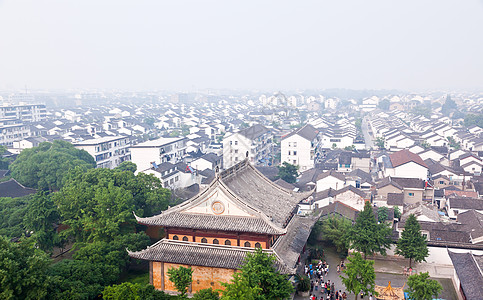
182 278
384 104
422 288
206 294
44 167
133 291
288 172
412 243
474 119
127 166
360 274
97 205
381 142
258 279
12 213
367 236
335 230
22 271
448 106
39 219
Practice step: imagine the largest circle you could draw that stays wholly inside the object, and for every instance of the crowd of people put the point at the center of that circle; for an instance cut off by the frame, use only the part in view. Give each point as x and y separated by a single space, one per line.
320 287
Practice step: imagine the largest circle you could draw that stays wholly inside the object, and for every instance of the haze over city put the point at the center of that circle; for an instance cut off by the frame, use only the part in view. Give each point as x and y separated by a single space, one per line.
266 45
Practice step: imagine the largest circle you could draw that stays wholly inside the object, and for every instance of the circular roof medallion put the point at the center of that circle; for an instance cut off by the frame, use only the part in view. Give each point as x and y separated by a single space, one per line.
217 207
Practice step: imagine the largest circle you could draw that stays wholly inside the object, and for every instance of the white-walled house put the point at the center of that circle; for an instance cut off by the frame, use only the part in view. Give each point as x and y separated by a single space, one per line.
299 147
108 152
255 142
405 164
160 150
330 180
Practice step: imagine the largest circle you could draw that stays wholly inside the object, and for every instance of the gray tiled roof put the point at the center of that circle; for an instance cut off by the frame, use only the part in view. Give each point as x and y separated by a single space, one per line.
268 205
199 254
468 268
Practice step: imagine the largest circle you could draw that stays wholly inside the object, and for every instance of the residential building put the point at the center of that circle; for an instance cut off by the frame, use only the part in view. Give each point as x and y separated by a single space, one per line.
300 146
255 142
159 151
25 112
108 152
406 164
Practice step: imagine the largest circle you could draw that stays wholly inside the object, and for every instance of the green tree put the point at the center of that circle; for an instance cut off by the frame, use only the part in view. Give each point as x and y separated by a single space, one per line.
4 161
361 276
39 219
397 212
12 214
384 104
474 120
206 294
127 166
422 288
334 146
259 277
22 271
132 291
240 288
76 279
149 121
425 145
382 214
381 143
288 172
367 236
412 243
453 144
44 167
448 106
335 230
97 205
182 278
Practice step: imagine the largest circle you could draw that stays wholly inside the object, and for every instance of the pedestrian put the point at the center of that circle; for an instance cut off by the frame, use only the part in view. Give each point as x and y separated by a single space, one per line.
370 297
362 295
316 286
332 288
344 295
311 286
338 270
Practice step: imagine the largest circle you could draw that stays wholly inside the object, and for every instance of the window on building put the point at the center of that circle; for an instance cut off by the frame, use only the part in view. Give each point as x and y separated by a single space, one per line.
203 240
176 178
228 242
289 152
295 144
175 237
411 194
216 242
236 143
290 144
231 143
258 245
294 162
236 150
295 153
441 182
236 158
247 244
185 238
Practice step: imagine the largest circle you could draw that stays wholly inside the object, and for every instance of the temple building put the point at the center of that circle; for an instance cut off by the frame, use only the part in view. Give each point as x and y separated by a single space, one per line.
213 231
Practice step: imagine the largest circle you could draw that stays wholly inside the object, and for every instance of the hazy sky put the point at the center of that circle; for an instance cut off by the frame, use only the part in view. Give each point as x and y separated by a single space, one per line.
166 45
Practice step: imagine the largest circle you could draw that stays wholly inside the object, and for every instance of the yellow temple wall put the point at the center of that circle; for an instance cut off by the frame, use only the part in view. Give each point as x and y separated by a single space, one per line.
203 277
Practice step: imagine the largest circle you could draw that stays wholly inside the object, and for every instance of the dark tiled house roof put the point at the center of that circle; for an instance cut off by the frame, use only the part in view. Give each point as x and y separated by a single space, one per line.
468 268
404 156
13 189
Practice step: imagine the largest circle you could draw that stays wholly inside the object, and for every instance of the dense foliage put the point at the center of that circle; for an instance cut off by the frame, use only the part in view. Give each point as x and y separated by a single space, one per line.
12 214
288 172
44 167
97 205
206 294
258 279
133 291
360 275
367 235
423 288
474 120
335 230
22 271
412 243
182 278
